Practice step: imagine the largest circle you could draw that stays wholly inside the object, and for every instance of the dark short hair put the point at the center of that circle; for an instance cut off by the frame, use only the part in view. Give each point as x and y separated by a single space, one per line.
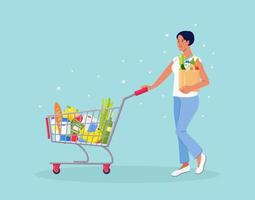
188 36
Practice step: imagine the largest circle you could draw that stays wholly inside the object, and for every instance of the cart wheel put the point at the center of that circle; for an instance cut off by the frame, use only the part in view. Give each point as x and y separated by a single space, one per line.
106 168
56 168
107 171
56 171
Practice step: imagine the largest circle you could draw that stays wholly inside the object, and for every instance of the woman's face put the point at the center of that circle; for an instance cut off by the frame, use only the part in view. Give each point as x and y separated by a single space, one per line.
182 44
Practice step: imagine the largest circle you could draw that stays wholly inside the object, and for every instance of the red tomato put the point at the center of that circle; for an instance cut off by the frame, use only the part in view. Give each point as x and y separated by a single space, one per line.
79 118
74 137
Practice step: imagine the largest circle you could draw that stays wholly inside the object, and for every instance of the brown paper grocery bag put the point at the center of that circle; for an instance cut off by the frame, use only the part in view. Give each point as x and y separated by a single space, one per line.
188 77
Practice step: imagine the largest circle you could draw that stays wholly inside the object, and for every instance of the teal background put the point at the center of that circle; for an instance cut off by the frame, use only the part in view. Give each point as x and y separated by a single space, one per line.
87 48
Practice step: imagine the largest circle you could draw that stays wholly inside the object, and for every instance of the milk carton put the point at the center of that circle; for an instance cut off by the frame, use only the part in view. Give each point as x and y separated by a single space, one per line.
55 135
65 129
90 122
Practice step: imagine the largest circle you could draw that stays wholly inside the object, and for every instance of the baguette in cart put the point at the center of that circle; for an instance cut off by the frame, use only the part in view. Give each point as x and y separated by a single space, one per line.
84 128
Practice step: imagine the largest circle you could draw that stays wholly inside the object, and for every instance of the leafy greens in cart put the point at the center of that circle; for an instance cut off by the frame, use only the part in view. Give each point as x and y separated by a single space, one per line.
105 113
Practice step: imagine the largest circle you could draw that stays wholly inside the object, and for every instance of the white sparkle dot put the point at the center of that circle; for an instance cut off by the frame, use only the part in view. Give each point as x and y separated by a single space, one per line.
212 67
195 24
203 45
89 95
123 60
140 103
203 116
164 116
149 72
39 106
72 70
98 76
208 96
140 60
123 81
58 88
213 53
164 52
167 35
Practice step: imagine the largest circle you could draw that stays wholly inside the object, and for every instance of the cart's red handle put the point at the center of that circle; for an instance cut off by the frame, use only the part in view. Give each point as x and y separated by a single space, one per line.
47 127
141 91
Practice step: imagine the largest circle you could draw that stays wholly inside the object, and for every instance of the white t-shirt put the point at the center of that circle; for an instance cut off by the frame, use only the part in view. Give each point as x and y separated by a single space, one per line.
175 69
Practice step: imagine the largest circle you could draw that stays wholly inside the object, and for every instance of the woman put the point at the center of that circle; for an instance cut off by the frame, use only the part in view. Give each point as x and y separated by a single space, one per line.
186 103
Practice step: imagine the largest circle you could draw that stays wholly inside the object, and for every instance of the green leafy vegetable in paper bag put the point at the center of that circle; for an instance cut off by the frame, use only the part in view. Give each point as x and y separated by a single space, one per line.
181 61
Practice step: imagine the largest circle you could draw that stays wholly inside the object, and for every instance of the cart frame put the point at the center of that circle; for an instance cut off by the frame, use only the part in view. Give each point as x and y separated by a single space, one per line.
106 165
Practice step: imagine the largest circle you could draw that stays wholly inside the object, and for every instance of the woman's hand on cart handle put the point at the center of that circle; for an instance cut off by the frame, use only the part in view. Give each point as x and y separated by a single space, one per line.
149 87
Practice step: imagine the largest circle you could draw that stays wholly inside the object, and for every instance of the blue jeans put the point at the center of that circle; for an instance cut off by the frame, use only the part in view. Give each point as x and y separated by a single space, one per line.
184 110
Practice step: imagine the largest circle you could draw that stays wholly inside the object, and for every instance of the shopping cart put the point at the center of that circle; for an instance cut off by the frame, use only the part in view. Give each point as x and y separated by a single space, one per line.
72 132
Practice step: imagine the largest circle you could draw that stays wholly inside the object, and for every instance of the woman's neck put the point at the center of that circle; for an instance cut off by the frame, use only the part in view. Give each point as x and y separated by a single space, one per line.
187 53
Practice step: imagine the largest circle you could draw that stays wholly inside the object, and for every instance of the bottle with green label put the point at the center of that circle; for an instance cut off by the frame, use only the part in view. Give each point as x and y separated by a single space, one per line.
107 131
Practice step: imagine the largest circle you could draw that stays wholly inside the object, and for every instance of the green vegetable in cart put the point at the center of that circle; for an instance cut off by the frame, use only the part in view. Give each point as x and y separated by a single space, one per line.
105 113
106 133
76 126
